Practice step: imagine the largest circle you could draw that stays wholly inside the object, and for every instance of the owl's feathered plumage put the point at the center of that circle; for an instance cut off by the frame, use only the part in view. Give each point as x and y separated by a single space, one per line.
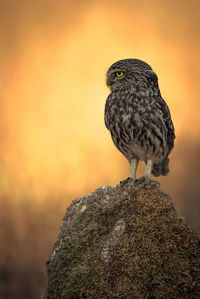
138 118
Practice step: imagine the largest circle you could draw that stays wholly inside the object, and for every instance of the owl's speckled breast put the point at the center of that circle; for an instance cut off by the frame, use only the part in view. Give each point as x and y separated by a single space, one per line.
136 126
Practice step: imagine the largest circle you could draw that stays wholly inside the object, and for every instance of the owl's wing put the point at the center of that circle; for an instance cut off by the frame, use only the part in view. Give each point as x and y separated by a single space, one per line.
107 113
168 123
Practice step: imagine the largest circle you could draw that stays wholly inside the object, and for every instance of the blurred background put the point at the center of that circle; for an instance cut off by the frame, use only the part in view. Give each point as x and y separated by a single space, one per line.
54 146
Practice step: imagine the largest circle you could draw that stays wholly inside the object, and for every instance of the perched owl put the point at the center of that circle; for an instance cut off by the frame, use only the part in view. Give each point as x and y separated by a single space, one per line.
138 118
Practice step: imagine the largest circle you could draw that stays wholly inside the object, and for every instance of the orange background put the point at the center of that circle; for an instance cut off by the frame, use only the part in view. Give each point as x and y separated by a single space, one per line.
54 146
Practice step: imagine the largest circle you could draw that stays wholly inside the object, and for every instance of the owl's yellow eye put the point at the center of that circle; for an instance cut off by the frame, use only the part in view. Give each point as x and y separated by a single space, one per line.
119 74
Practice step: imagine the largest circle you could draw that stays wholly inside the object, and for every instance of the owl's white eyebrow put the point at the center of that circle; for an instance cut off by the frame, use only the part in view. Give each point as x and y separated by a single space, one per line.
115 70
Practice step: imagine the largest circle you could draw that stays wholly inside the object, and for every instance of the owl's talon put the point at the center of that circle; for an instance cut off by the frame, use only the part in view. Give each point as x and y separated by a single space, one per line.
128 180
145 181
142 181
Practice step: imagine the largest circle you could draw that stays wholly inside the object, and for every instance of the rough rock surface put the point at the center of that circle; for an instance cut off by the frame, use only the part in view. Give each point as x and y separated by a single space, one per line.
124 241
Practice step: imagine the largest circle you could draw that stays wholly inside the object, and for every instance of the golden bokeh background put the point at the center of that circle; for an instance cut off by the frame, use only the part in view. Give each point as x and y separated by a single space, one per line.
54 146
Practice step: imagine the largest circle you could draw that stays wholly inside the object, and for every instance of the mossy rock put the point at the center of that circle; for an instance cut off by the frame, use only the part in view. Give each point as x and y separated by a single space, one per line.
124 241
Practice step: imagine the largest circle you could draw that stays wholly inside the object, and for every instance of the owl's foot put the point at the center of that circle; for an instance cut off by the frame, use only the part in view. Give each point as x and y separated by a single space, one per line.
146 181
128 180
143 181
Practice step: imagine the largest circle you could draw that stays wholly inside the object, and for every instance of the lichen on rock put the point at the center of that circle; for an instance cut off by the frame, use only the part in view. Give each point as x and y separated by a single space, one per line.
124 241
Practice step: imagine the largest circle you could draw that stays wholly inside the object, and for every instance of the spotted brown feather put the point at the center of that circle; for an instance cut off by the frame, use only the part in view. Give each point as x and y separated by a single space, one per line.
137 117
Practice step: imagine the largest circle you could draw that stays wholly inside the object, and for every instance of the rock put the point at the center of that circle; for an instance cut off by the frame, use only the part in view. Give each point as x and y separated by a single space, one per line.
124 241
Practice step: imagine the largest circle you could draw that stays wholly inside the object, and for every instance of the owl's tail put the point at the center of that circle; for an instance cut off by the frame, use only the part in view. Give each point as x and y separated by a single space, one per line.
162 168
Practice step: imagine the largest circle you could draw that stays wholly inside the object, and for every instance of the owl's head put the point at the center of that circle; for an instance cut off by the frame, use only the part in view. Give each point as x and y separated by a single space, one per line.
128 73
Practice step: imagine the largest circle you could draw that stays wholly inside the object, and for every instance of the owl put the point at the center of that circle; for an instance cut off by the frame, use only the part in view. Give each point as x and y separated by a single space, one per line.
138 118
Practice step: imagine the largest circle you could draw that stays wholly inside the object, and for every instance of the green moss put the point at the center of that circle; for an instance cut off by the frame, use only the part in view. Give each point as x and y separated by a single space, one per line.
155 254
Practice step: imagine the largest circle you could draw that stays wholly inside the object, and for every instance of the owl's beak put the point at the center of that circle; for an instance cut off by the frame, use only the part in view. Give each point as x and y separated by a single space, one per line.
108 82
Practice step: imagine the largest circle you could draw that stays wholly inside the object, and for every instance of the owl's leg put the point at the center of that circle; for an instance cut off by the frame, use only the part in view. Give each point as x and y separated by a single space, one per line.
148 170
132 174
134 164
146 179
